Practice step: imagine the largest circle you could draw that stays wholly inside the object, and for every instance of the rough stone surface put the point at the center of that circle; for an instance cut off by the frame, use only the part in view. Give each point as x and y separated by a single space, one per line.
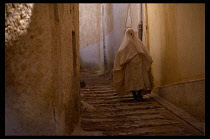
17 19
114 115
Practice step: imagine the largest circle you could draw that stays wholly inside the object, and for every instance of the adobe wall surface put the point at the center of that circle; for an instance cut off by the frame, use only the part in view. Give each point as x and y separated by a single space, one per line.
91 40
39 95
176 38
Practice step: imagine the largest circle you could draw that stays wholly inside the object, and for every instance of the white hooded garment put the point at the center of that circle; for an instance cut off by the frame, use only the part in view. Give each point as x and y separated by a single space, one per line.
132 66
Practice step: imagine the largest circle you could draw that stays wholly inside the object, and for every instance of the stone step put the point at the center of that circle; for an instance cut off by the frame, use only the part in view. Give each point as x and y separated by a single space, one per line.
164 130
120 114
124 104
110 125
93 95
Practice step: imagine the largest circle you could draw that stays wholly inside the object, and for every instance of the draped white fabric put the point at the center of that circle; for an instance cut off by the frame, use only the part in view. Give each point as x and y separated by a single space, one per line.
132 66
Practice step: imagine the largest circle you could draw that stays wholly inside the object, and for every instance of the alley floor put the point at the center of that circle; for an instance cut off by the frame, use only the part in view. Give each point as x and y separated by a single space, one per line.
104 113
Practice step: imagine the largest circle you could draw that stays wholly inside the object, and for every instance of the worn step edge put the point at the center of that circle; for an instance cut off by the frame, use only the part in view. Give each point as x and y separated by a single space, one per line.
179 113
108 128
136 113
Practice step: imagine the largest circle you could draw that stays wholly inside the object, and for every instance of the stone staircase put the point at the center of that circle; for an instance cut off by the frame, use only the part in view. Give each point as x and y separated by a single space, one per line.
112 115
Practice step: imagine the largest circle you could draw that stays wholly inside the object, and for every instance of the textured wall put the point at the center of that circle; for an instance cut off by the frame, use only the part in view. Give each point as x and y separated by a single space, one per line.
109 35
176 38
41 98
65 33
189 96
91 49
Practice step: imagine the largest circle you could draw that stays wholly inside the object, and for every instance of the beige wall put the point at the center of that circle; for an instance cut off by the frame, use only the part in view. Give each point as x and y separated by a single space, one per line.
176 38
90 24
91 49
42 74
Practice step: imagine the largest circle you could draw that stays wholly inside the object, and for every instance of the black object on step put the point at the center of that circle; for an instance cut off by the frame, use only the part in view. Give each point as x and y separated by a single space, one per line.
82 84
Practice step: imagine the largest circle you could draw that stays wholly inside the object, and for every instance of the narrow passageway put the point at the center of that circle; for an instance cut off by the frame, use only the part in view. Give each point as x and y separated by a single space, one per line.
49 47
105 113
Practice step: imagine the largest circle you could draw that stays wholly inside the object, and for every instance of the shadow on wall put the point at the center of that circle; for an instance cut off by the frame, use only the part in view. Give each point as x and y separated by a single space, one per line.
29 89
109 37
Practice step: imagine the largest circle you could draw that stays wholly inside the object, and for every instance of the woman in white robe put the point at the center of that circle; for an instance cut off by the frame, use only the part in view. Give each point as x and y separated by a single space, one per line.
132 67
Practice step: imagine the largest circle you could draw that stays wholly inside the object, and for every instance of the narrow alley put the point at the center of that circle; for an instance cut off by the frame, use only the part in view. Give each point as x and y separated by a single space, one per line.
69 68
105 113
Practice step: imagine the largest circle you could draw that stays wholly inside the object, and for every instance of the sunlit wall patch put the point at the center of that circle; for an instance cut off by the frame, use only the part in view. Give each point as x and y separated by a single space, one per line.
17 20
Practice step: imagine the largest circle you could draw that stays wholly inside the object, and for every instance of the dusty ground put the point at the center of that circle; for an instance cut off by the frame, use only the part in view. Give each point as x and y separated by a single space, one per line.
105 113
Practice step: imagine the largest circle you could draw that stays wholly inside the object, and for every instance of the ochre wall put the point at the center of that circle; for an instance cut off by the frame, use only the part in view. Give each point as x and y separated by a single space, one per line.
176 39
39 95
177 42
67 66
